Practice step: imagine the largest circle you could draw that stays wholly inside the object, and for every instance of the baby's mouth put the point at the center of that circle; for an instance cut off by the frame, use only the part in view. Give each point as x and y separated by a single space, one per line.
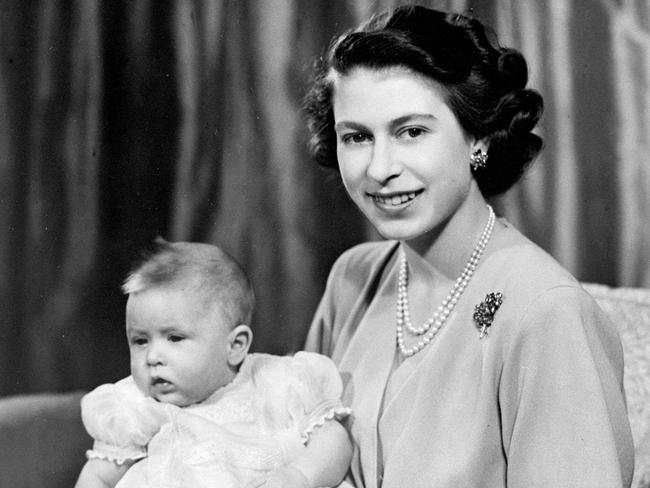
160 383
395 199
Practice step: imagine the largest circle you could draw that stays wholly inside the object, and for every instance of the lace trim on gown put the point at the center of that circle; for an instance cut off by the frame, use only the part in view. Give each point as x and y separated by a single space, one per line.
326 412
116 454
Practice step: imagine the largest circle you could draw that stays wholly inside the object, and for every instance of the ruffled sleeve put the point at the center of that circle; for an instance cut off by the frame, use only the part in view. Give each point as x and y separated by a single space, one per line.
121 420
318 388
303 391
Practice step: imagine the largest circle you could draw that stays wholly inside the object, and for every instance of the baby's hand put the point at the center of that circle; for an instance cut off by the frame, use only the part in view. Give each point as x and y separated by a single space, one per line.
285 477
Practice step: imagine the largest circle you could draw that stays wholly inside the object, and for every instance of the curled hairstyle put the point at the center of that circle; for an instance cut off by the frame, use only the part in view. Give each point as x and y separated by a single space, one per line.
483 84
198 268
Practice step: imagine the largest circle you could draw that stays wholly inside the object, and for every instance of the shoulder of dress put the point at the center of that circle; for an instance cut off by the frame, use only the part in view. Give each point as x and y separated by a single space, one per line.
313 364
556 312
260 365
365 259
527 270
125 389
369 251
536 289
284 369
255 359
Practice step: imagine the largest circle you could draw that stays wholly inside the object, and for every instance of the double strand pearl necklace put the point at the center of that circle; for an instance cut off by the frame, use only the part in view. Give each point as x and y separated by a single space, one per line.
434 323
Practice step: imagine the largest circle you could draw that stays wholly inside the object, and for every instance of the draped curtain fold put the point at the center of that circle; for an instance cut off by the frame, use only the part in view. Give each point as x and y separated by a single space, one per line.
126 120
586 198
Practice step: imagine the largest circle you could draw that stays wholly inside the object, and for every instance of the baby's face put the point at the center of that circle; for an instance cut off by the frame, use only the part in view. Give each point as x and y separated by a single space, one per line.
179 352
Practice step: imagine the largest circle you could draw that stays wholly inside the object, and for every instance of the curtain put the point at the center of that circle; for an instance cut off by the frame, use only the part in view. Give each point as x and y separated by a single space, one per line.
127 120
586 200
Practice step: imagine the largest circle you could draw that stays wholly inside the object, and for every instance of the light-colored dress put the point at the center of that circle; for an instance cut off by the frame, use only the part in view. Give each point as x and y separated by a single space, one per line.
538 402
260 421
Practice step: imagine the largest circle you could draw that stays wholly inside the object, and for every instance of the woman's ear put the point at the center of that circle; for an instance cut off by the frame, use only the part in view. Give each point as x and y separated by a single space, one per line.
239 341
480 144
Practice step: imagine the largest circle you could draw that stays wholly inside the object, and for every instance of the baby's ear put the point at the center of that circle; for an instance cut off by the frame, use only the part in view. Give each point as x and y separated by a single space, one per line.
239 341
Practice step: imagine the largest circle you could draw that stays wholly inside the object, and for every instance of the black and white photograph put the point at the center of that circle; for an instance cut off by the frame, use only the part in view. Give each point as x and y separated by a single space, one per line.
325 243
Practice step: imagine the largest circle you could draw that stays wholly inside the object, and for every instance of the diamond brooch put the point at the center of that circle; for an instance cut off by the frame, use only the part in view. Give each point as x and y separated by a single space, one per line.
484 312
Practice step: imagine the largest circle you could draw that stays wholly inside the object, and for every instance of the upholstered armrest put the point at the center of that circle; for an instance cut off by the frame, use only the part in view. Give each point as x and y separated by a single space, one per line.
629 309
42 440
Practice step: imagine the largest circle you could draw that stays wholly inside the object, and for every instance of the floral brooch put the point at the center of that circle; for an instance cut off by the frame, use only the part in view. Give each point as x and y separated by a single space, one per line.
484 311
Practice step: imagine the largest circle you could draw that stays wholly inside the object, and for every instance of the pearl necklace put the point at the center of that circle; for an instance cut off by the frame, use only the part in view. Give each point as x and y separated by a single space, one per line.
434 323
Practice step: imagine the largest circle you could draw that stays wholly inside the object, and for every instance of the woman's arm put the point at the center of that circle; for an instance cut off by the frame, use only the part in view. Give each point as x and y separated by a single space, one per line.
101 473
563 409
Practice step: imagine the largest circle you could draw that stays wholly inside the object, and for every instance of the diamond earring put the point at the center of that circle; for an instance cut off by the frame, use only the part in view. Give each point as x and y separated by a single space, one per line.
478 160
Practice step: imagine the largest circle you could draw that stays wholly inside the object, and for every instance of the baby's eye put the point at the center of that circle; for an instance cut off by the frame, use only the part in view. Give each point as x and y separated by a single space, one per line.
139 341
355 138
175 338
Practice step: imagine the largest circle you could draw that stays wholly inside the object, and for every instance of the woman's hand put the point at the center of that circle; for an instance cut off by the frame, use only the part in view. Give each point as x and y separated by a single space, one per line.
284 477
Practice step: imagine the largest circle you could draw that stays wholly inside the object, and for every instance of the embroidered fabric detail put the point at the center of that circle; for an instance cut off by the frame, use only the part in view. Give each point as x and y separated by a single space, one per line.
116 454
250 456
332 411
239 409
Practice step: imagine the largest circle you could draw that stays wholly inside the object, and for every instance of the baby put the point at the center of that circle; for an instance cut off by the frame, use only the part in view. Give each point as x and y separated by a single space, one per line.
198 410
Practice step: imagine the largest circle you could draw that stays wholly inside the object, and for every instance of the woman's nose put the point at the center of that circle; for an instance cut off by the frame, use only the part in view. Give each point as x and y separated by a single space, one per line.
383 164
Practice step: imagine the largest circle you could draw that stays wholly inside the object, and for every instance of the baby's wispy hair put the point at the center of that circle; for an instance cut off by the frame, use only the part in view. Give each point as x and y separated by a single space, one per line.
161 265
198 267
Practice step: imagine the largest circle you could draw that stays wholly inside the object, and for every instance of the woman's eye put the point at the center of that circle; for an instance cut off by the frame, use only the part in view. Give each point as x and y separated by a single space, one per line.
355 138
412 132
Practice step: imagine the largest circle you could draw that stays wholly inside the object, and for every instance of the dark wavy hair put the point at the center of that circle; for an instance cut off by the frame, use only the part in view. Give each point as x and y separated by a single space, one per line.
484 85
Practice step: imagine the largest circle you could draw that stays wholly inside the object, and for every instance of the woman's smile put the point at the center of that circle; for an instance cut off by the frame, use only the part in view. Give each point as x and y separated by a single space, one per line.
403 156
394 200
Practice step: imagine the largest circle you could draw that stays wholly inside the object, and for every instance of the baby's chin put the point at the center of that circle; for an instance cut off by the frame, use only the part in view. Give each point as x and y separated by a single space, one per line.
174 397
171 396
163 390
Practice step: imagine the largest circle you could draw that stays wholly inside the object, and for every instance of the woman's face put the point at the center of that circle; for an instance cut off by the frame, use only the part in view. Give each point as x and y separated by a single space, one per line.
402 154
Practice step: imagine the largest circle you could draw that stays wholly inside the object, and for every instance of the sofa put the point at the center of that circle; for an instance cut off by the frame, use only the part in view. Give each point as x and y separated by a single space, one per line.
42 439
629 309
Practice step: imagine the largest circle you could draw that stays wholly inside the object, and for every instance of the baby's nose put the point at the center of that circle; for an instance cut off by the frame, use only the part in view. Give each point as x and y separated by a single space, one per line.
155 355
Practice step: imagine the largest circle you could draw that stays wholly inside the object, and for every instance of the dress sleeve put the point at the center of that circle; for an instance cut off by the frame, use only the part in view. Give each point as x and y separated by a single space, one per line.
561 396
300 392
121 420
351 284
321 338
315 393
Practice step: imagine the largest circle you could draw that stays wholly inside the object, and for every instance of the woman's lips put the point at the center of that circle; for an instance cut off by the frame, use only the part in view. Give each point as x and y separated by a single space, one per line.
396 199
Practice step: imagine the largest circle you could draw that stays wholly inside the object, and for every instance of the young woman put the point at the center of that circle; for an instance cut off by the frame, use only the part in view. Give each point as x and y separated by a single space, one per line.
470 357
